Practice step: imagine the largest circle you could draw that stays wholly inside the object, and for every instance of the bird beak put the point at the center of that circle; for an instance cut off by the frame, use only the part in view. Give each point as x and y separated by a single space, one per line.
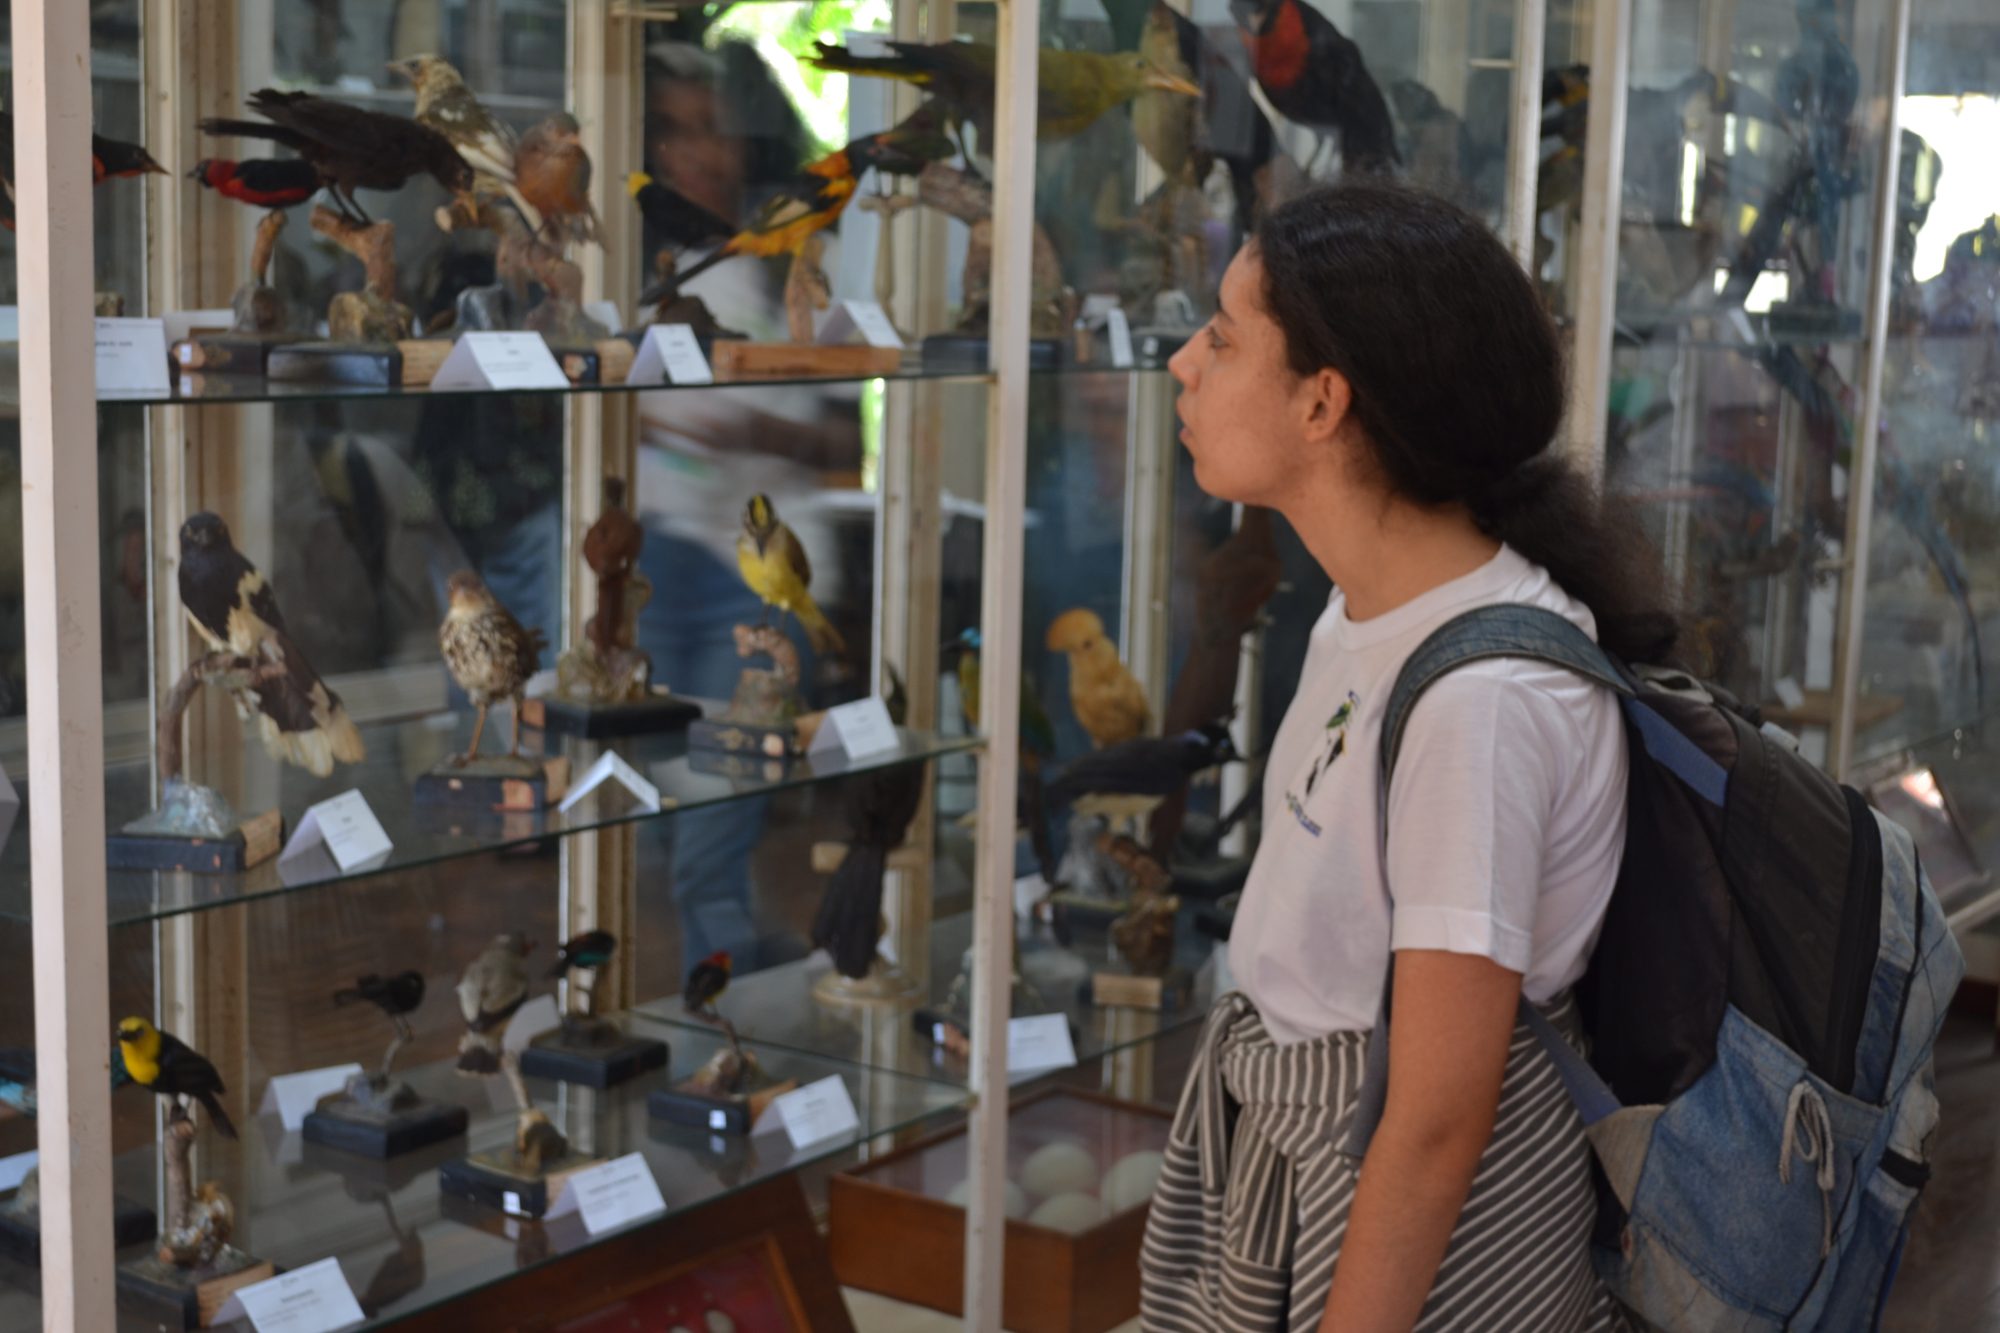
406 68
1161 81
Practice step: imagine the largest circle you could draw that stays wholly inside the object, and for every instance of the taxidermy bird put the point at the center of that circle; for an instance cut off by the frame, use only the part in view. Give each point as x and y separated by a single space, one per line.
488 653
592 949
879 806
674 221
706 981
270 182
1147 766
109 159
445 104
172 1069
1105 697
1038 734
774 566
395 996
351 147
552 171
1314 76
1073 88
234 611
493 987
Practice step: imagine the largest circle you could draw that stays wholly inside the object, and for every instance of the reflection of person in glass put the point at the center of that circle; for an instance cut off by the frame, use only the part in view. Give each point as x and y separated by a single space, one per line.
1381 372
720 131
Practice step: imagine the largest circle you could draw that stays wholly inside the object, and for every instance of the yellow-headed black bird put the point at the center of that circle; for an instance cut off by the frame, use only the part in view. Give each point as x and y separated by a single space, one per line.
234 611
171 1068
775 567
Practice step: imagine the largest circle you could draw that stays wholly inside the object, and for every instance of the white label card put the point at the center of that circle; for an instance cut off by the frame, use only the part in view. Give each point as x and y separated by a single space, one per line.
670 354
818 1112
611 1194
15 1169
612 767
313 1299
500 361
530 1021
1039 1042
607 314
866 318
861 728
131 356
8 796
348 828
10 323
1789 694
1120 330
293 1096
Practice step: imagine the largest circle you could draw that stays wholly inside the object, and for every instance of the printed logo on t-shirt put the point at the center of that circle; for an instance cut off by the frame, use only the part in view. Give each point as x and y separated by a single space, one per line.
1333 744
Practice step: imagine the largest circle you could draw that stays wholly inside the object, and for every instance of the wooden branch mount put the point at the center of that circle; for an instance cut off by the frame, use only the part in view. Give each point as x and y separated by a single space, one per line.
373 314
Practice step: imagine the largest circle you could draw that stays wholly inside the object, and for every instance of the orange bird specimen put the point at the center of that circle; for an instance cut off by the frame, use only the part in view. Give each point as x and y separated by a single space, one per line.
1105 696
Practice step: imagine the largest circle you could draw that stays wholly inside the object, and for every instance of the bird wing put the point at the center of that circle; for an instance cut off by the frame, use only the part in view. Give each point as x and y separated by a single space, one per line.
787 551
485 143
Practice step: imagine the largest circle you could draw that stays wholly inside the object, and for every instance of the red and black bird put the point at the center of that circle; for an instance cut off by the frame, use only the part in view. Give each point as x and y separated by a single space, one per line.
108 158
1313 75
351 147
706 981
269 182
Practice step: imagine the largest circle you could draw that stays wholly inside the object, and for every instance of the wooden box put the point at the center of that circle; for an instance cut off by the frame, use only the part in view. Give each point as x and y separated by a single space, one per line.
894 1228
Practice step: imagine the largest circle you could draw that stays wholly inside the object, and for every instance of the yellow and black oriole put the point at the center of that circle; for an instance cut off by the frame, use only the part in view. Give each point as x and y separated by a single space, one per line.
171 1068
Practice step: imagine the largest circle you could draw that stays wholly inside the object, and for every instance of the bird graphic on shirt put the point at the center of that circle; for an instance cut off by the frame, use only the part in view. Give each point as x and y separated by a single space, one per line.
1336 743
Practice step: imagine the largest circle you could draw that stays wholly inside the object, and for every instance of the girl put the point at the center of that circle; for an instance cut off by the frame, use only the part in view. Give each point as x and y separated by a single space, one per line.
1382 372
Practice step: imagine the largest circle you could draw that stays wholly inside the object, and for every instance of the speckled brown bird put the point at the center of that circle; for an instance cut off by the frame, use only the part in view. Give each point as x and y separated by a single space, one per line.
552 171
234 610
1107 699
446 105
488 653
493 986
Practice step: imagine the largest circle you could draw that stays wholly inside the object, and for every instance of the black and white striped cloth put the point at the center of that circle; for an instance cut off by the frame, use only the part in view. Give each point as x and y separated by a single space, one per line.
1253 1198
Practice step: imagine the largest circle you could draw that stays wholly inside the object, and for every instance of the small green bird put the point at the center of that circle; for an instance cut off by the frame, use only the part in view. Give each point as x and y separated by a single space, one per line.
592 949
170 1068
1038 734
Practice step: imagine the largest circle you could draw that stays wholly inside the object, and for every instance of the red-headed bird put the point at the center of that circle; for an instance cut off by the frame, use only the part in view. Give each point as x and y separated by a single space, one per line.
268 182
706 981
1315 77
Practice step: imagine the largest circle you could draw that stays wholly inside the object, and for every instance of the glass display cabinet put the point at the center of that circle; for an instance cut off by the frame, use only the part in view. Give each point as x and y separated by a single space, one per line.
892 500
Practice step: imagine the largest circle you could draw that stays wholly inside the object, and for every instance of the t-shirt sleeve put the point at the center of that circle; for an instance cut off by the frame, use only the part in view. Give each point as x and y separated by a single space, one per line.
1470 809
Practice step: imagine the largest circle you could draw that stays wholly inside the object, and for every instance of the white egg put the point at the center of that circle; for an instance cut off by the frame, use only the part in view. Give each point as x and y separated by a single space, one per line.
1130 1182
1059 1168
1072 1213
1016 1205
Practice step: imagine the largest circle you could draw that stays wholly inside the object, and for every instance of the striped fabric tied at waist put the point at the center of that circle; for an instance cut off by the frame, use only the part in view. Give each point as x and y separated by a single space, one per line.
1253 1199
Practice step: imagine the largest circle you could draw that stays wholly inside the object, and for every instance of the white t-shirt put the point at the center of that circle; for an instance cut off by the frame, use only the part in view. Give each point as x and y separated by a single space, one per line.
1506 816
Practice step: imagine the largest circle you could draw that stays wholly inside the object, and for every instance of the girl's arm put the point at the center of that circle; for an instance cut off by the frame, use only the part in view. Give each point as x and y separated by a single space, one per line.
1454 1021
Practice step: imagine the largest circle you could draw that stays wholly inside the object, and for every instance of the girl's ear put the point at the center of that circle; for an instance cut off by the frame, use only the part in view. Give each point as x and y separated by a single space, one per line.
1327 396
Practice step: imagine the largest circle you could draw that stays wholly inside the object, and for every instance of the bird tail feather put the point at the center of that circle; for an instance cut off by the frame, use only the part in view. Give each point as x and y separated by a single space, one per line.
826 640
217 1114
850 912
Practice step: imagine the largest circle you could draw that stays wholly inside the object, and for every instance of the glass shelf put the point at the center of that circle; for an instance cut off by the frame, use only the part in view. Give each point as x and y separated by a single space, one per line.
424 835
298 1203
778 1006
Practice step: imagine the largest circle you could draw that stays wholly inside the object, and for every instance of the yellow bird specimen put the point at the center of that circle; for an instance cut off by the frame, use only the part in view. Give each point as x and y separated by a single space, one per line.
1106 698
774 565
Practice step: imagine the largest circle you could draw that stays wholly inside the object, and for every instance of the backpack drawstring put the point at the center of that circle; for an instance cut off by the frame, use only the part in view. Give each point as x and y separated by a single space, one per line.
1812 1135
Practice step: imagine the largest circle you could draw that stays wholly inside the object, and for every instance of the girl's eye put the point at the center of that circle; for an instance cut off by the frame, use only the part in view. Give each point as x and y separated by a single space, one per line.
1215 339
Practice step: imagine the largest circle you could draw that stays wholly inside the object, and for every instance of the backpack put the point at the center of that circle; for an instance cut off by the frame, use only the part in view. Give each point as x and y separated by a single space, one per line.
1760 1009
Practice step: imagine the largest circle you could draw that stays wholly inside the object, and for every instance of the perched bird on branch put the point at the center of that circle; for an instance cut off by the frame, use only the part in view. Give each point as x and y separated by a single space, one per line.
234 610
488 652
673 219
1314 76
445 104
706 981
592 949
111 158
270 182
351 147
172 1069
493 986
552 171
1108 701
774 566
879 806
1148 766
394 996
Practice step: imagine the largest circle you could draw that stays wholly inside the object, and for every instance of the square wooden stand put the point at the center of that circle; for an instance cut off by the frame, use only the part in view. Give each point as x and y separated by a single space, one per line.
179 1298
493 783
736 359
605 1064
659 713
257 840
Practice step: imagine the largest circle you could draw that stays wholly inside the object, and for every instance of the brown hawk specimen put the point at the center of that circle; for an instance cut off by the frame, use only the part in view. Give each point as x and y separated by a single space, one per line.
234 611
552 170
487 652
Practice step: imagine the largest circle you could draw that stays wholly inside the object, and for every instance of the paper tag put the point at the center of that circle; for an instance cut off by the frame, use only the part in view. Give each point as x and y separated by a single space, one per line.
861 728
313 1299
10 323
1097 307
606 313
530 1021
611 1194
13 1170
500 361
131 356
1789 694
348 828
818 1112
183 324
669 354
293 1096
612 767
866 318
1039 1042
1120 330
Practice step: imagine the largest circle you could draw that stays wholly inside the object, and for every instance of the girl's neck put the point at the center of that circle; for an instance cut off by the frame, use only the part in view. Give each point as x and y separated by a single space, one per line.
1382 552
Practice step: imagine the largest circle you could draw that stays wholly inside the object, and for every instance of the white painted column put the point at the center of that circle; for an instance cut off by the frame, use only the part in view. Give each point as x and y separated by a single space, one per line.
1597 242
1524 130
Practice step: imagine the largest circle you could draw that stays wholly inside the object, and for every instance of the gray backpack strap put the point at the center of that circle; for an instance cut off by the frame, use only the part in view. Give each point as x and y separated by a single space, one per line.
1484 633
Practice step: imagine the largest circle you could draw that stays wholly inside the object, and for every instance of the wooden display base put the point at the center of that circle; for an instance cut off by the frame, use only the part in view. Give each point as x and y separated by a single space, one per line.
490 1179
185 1298
254 842
749 360
594 1064
343 1124
564 717
885 984
732 1113
1124 990
413 361
607 362
496 782
745 738
229 353
21 1228
385 1174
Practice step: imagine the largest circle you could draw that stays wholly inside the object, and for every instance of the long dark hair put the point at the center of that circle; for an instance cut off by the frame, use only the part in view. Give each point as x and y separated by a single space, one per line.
1457 382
